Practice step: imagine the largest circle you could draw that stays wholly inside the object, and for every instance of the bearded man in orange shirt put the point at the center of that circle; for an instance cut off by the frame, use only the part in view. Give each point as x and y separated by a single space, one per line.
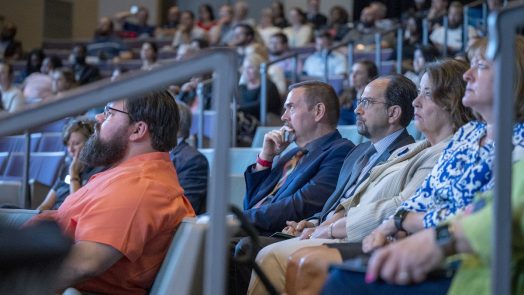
123 219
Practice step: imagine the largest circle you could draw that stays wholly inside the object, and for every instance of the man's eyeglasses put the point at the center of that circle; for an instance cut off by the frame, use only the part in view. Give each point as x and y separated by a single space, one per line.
108 110
367 101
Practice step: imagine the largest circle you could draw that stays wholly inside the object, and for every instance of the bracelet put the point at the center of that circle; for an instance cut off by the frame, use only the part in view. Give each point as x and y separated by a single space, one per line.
264 163
330 231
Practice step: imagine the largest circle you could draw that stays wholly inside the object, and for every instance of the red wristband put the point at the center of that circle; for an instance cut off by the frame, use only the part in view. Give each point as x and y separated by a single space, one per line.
264 163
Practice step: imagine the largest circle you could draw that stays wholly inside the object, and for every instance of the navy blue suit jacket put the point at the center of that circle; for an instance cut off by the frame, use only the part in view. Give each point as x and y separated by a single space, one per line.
192 170
305 191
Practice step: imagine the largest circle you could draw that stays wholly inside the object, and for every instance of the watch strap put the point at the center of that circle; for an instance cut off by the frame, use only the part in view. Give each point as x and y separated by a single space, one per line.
399 217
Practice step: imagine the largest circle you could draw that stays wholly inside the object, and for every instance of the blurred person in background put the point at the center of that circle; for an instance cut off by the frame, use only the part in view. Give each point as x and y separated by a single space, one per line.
362 72
314 16
279 14
149 56
168 30
12 98
63 79
222 33
138 29
187 30
265 28
206 17
300 32
74 173
50 64
421 56
10 48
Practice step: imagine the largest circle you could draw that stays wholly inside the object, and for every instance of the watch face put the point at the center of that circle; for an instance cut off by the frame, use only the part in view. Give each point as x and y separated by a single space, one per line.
442 233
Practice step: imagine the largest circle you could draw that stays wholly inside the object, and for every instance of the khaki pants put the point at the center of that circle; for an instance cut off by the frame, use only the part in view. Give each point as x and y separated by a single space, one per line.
273 262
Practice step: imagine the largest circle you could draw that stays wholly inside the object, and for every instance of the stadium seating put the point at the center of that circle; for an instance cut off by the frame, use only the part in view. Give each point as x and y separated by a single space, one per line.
51 142
16 143
43 167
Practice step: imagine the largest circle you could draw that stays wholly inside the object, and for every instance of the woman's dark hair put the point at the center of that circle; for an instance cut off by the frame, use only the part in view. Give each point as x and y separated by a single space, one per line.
10 69
429 52
344 16
29 68
301 14
55 62
209 10
153 46
371 68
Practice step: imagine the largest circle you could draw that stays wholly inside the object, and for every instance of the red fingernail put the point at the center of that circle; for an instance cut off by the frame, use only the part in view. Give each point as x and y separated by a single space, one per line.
369 278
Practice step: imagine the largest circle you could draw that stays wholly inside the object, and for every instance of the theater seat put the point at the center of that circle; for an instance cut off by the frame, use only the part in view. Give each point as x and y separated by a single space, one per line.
16 217
16 143
51 142
182 269
239 158
56 126
351 132
10 193
43 167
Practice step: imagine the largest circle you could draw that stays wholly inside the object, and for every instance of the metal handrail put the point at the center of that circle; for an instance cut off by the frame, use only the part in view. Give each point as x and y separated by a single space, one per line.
378 43
219 61
501 49
201 111
446 28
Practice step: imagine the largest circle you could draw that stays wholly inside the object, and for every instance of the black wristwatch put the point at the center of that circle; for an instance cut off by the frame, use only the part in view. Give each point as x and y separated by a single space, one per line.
445 239
399 217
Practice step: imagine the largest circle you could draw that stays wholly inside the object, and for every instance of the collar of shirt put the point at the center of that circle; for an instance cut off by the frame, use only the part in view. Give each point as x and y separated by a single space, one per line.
385 142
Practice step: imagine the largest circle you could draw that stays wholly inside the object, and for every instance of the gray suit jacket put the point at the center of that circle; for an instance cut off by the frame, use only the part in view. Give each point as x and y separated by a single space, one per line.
347 167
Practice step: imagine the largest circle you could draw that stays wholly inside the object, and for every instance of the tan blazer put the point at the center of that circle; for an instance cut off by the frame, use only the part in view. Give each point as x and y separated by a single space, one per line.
388 185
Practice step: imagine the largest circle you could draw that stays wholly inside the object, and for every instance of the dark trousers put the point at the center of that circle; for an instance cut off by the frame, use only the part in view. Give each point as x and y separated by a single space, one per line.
240 273
340 280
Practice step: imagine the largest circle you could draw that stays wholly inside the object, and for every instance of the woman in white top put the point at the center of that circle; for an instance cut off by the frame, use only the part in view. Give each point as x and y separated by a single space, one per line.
12 98
265 28
300 32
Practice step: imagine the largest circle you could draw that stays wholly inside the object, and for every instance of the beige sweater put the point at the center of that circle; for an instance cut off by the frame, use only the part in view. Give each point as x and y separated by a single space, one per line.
388 185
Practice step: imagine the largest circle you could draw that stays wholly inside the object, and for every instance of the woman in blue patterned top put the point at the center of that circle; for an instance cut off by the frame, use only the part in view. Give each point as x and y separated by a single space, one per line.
465 167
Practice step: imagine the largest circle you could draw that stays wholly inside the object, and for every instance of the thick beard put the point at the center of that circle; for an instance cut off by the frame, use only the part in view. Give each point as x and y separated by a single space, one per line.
362 129
99 153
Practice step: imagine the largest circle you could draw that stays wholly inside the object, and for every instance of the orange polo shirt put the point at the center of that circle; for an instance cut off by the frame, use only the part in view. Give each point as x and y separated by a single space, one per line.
135 208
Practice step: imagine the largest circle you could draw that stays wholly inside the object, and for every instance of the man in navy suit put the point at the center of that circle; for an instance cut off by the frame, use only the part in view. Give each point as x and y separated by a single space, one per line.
299 183
191 166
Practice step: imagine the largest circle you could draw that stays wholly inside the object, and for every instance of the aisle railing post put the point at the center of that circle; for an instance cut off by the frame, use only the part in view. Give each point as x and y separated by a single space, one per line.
263 94
378 50
400 41
501 50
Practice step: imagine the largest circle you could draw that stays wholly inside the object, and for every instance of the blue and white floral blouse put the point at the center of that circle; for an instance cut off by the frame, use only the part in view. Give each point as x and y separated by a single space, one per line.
464 169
